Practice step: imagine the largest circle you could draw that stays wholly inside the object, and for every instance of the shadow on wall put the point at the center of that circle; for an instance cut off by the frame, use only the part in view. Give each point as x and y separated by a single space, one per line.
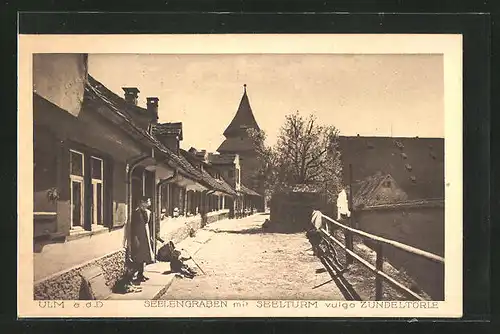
40 243
420 227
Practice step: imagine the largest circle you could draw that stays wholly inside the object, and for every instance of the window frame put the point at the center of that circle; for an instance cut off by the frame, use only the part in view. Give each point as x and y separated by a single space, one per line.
80 179
94 183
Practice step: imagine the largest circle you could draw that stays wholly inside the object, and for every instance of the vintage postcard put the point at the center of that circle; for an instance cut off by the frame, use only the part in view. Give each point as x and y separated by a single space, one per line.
240 176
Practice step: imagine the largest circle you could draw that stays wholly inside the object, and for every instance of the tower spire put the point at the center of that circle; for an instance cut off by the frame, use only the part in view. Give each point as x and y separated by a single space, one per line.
244 118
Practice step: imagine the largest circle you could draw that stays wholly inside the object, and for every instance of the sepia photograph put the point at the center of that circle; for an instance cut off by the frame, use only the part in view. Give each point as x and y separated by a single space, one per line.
287 181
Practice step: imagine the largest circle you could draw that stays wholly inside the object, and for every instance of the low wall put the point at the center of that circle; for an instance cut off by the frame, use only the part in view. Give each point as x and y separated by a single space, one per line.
217 215
420 225
67 285
178 229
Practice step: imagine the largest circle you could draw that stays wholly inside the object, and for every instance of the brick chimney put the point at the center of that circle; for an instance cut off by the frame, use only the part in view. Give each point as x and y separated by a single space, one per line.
152 106
131 94
169 134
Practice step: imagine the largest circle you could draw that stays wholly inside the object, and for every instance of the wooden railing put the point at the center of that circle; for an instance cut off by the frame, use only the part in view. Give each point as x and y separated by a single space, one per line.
377 269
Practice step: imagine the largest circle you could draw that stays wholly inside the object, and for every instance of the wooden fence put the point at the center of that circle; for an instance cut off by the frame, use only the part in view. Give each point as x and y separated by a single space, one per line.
377 269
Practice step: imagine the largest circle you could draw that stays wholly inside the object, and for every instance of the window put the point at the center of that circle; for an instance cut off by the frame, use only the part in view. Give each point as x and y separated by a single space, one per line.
387 184
230 174
76 188
76 162
86 190
96 165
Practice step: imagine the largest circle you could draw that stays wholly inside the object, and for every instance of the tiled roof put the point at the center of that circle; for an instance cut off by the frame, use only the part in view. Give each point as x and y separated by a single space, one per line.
140 116
244 118
209 180
416 164
201 155
236 144
305 188
96 91
247 191
365 192
221 159
167 129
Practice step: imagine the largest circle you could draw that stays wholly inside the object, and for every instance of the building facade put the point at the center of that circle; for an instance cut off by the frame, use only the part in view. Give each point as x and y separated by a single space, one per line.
95 154
238 142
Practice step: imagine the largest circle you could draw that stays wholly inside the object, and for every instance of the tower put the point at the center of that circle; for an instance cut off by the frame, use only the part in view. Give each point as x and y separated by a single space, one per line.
238 142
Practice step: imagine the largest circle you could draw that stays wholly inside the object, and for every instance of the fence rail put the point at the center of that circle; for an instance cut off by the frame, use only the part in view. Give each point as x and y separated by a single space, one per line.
377 269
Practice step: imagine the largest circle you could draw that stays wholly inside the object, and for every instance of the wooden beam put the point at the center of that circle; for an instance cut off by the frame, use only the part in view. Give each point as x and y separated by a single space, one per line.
399 245
372 268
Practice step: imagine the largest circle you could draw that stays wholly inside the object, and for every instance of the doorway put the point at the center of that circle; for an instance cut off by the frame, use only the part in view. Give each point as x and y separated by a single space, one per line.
136 191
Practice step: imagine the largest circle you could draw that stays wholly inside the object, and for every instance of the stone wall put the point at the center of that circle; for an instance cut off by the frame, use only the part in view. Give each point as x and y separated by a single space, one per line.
68 285
418 225
213 217
183 232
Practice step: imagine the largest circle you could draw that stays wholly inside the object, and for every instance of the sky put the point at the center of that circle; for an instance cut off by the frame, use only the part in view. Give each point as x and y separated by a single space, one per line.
369 95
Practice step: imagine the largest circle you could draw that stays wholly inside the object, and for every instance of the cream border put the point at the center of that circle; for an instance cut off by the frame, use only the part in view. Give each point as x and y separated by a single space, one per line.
448 45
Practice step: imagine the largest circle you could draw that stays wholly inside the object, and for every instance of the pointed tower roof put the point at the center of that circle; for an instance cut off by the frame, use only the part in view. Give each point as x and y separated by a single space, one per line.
244 118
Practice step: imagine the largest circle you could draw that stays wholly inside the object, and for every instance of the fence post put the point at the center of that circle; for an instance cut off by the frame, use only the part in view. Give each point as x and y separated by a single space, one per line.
379 266
325 223
348 234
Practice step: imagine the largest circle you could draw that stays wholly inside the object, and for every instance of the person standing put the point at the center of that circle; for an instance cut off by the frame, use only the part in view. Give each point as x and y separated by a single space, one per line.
141 251
343 211
313 234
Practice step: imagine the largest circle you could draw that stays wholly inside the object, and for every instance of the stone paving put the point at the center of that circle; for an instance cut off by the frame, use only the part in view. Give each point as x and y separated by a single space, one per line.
243 261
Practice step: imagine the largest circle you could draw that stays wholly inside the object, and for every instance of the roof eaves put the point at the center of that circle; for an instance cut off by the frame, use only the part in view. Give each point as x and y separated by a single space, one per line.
150 138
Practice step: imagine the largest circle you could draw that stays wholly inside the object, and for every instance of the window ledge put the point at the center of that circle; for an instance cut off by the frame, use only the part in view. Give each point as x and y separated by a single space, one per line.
79 232
40 216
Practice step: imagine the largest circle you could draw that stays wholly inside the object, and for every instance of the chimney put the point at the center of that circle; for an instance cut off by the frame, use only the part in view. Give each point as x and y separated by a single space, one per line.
131 94
169 134
152 105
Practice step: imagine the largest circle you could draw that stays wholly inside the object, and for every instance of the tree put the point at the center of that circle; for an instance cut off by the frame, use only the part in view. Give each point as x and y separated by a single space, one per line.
305 153
265 174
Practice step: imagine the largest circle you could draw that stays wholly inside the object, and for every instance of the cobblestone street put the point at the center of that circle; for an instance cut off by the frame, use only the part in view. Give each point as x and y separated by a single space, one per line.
243 261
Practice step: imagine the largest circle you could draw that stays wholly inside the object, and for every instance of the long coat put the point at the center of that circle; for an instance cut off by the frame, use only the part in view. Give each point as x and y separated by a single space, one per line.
140 239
